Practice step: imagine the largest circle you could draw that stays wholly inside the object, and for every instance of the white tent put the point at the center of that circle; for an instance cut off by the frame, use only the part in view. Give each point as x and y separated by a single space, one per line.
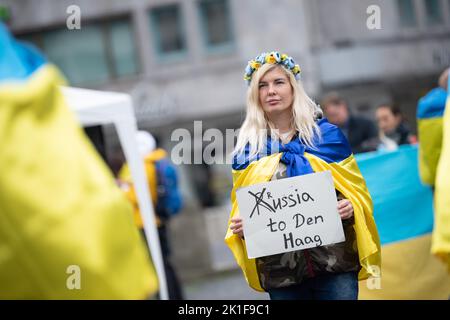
100 107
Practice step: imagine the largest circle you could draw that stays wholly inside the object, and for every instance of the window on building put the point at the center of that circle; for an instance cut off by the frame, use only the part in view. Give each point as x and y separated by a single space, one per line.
123 49
433 12
407 13
99 52
80 55
216 24
166 25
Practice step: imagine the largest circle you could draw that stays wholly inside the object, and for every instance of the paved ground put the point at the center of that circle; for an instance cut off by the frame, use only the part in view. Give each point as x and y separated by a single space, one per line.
228 285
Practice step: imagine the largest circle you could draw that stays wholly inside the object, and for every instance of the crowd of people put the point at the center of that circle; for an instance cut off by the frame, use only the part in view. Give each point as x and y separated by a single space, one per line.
387 132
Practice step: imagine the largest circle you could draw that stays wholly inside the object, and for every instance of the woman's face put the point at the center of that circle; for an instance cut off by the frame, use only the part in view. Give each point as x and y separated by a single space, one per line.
387 121
275 92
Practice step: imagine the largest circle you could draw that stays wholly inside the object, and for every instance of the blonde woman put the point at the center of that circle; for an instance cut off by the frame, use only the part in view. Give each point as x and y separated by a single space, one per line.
284 135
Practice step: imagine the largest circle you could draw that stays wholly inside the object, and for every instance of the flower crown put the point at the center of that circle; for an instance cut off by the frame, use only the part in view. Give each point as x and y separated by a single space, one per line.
273 57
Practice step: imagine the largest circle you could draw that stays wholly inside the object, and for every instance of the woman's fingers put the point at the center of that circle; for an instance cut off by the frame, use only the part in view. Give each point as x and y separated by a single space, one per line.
234 226
343 203
346 215
345 209
238 231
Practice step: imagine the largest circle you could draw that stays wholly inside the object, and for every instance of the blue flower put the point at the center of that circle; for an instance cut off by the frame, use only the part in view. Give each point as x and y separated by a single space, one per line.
261 58
289 63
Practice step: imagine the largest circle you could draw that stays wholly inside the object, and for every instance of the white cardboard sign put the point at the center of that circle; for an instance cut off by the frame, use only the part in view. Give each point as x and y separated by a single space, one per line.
290 214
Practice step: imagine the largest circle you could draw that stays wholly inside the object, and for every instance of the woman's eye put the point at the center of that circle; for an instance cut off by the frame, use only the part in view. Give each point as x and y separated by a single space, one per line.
262 85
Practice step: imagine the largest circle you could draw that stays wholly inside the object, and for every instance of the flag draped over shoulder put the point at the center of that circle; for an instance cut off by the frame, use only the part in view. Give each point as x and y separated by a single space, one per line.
441 232
430 110
66 230
403 210
433 117
331 152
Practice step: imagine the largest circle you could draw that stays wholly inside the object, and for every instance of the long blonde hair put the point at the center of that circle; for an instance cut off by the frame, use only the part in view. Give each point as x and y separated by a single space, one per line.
254 128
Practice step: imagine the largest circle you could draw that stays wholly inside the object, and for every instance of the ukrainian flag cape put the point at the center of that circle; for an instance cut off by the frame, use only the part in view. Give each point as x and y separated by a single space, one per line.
66 230
331 152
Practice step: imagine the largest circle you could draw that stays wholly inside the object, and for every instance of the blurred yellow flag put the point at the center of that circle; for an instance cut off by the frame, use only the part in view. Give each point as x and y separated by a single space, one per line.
66 230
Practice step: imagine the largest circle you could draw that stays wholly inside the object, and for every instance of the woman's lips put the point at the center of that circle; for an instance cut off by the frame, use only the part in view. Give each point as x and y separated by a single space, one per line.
273 102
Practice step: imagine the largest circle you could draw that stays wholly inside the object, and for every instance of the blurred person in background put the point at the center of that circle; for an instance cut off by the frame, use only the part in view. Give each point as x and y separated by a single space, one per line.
393 131
281 118
360 132
163 186
433 115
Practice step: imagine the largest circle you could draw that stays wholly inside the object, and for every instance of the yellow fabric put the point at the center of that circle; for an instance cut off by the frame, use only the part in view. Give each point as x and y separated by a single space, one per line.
60 206
410 271
150 170
430 144
348 180
257 172
441 232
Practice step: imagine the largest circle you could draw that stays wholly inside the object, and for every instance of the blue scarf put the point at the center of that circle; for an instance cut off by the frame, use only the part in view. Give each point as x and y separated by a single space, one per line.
330 146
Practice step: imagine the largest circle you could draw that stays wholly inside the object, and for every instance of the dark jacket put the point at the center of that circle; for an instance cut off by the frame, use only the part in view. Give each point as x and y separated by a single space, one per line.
361 133
401 135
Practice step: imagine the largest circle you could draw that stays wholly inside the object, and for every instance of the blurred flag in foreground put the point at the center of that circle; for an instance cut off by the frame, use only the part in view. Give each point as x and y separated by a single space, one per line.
66 230
441 232
403 210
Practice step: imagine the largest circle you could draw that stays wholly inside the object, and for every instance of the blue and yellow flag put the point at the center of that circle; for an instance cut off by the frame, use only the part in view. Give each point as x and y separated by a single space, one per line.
441 232
403 210
332 152
66 230
430 110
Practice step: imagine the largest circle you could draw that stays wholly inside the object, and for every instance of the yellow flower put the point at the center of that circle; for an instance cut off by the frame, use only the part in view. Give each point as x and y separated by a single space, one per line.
296 69
284 57
255 65
270 59
247 77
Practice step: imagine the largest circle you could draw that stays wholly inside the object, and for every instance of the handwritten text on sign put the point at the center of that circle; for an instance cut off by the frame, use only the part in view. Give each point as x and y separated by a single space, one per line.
290 214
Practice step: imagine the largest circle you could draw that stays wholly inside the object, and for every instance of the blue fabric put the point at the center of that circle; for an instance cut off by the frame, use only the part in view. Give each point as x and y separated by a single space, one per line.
331 146
169 201
432 105
331 286
17 60
403 207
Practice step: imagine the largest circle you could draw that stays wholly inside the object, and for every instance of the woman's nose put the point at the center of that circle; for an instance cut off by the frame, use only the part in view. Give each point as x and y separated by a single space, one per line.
271 91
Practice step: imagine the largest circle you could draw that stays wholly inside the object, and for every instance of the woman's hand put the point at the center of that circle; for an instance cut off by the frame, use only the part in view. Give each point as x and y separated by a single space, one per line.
236 227
345 209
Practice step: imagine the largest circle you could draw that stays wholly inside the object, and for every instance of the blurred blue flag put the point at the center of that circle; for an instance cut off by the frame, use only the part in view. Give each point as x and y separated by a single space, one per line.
403 207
